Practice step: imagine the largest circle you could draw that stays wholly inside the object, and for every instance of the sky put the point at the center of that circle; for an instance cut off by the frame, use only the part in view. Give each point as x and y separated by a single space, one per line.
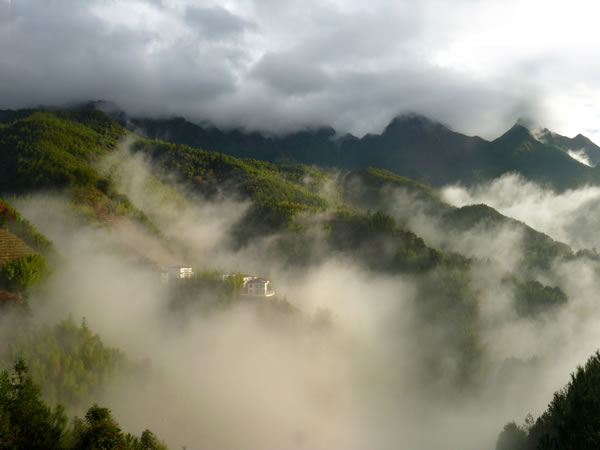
281 65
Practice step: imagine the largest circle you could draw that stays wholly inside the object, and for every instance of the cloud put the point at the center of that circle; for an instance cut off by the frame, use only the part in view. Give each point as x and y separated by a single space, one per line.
568 217
289 75
382 375
216 22
350 65
581 156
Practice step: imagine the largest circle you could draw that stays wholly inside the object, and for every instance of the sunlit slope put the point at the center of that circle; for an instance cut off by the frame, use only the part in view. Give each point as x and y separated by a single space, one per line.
11 247
23 251
58 152
12 222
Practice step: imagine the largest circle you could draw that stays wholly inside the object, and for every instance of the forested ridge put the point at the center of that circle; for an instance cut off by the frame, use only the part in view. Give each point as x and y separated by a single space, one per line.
299 216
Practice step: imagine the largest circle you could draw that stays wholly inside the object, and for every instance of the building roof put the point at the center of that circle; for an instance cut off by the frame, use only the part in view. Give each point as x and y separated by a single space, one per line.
258 280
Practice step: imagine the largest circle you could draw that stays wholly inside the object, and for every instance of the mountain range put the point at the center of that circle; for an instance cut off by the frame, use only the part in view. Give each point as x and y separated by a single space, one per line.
114 173
411 145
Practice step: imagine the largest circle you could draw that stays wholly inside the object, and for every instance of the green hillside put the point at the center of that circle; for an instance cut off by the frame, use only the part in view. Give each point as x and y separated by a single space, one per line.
296 217
23 251
411 145
11 247
54 150
275 197
58 152
11 221
539 249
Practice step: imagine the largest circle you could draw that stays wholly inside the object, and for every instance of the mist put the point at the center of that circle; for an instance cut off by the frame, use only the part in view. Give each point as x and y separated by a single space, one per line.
568 216
249 377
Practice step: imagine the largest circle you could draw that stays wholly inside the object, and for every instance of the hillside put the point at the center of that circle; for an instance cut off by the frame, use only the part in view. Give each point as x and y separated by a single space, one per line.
11 221
579 146
11 247
518 151
411 145
334 235
571 420
62 150
57 151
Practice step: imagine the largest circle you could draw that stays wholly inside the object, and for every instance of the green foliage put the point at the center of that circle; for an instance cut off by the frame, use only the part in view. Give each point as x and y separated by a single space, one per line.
276 199
539 250
377 241
149 441
450 306
572 420
69 361
98 430
374 177
21 273
11 220
48 150
532 297
512 437
232 287
207 290
59 150
25 420
310 177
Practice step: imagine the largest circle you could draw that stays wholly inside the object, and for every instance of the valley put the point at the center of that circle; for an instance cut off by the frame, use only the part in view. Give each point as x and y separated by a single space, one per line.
386 299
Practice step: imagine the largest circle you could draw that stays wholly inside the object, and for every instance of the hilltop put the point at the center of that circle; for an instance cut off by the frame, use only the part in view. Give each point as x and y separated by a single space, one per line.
411 145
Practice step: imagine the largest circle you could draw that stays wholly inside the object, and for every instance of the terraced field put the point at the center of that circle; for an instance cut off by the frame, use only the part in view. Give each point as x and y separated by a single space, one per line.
12 247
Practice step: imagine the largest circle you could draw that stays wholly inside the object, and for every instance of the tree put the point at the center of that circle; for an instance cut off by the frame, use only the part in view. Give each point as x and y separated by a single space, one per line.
19 274
98 430
26 421
572 420
512 437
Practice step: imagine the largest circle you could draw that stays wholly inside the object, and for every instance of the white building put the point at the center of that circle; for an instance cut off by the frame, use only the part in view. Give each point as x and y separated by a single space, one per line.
259 287
175 273
254 286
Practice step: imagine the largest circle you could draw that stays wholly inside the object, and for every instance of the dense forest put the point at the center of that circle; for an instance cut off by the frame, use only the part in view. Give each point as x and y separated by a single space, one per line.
571 420
411 145
128 206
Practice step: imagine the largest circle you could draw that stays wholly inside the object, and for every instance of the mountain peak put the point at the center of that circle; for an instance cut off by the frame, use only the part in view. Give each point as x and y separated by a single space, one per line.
518 132
413 123
528 123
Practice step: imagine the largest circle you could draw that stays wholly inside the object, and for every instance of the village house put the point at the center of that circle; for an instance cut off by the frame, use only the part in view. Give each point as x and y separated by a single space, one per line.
254 286
259 287
175 273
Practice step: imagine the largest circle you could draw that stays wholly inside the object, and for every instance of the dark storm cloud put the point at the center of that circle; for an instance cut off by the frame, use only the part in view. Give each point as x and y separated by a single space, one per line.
216 22
61 52
289 74
279 65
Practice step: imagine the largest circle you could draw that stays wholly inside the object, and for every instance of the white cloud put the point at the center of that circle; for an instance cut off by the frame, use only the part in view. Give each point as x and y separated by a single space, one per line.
569 216
477 66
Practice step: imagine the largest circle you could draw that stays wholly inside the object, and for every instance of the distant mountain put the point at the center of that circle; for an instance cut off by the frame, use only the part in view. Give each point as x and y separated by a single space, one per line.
411 145
518 150
580 147
308 146
417 147
61 149
403 198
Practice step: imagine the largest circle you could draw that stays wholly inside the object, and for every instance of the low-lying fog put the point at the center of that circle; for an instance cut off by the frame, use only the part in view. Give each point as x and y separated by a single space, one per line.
235 379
